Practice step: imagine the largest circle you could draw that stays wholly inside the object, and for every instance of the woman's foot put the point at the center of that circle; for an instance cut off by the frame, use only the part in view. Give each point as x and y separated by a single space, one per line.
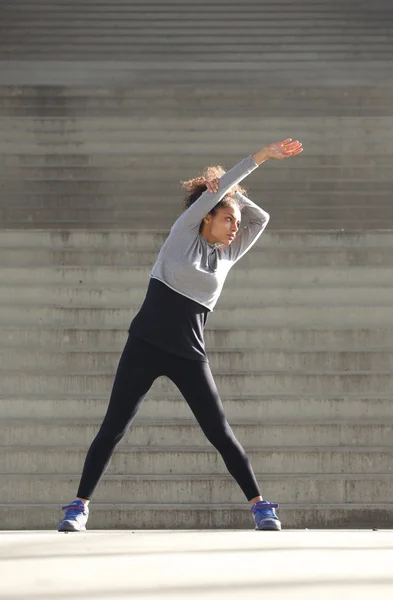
75 518
265 516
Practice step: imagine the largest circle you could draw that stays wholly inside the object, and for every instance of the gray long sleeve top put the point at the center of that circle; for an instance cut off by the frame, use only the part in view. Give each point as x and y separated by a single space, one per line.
188 263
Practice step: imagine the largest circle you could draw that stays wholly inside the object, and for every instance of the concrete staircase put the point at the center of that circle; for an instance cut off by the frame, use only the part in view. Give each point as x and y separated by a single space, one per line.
300 346
102 113
299 30
106 171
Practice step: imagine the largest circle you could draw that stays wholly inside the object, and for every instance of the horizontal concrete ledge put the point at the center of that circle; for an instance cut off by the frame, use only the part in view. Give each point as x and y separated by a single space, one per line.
124 277
377 109
222 359
109 65
154 4
324 73
189 516
198 459
314 449
256 295
315 225
152 239
201 93
170 422
266 408
212 477
296 257
206 507
287 488
263 396
270 256
187 433
299 316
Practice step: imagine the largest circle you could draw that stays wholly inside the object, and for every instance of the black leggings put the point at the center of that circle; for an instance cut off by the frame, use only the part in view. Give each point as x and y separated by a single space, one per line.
140 364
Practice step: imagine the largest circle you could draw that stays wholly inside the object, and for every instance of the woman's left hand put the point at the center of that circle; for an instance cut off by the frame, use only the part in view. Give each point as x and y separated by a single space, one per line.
282 150
213 185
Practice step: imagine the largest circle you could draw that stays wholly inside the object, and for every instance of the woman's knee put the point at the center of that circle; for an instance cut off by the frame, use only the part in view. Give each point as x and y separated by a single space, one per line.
221 436
111 435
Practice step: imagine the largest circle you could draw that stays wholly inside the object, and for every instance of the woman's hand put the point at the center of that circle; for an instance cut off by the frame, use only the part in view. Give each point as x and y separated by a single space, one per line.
279 150
284 149
213 184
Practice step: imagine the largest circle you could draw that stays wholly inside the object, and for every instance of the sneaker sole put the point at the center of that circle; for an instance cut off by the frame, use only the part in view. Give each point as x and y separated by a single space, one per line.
271 526
69 527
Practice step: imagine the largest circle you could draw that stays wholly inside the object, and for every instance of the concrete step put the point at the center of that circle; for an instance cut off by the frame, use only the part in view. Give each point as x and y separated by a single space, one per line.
171 11
199 460
239 383
47 196
147 202
186 433
77 108
361 109
138 179
182 166
257 336
253 297
200 129
284 277
211 489
197 71
198 516
121 50
93 96
144 147
152 240
222 360
127 9
131 37
295 316
256 296
262 257
317 224
152 6
127 24
378 216
291 217
261 406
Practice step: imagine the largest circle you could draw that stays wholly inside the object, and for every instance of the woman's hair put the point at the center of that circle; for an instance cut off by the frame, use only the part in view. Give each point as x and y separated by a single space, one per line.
195 188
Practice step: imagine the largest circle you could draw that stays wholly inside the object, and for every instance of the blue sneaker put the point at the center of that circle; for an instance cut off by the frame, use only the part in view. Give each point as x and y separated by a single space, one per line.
75 518
265 516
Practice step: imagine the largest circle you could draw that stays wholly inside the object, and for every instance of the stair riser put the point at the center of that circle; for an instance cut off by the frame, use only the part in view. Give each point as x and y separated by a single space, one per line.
70 461
94 318
183 436
268 257
177 518
229 384
258 338
220 362
273 408
287 489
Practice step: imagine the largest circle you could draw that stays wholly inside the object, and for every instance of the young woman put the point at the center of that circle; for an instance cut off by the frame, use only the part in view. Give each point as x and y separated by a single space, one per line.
166 337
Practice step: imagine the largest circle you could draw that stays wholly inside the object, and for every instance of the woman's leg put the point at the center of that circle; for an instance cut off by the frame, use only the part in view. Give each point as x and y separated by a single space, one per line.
137 369
195 381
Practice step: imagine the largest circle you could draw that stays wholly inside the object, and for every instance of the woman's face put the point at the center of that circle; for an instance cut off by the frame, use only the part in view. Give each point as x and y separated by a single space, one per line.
223 226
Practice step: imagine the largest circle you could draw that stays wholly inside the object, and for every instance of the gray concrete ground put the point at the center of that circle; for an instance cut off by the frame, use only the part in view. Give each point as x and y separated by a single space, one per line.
152 565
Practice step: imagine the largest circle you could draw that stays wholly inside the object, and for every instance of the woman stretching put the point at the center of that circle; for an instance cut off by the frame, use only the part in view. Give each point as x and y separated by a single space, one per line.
166 337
